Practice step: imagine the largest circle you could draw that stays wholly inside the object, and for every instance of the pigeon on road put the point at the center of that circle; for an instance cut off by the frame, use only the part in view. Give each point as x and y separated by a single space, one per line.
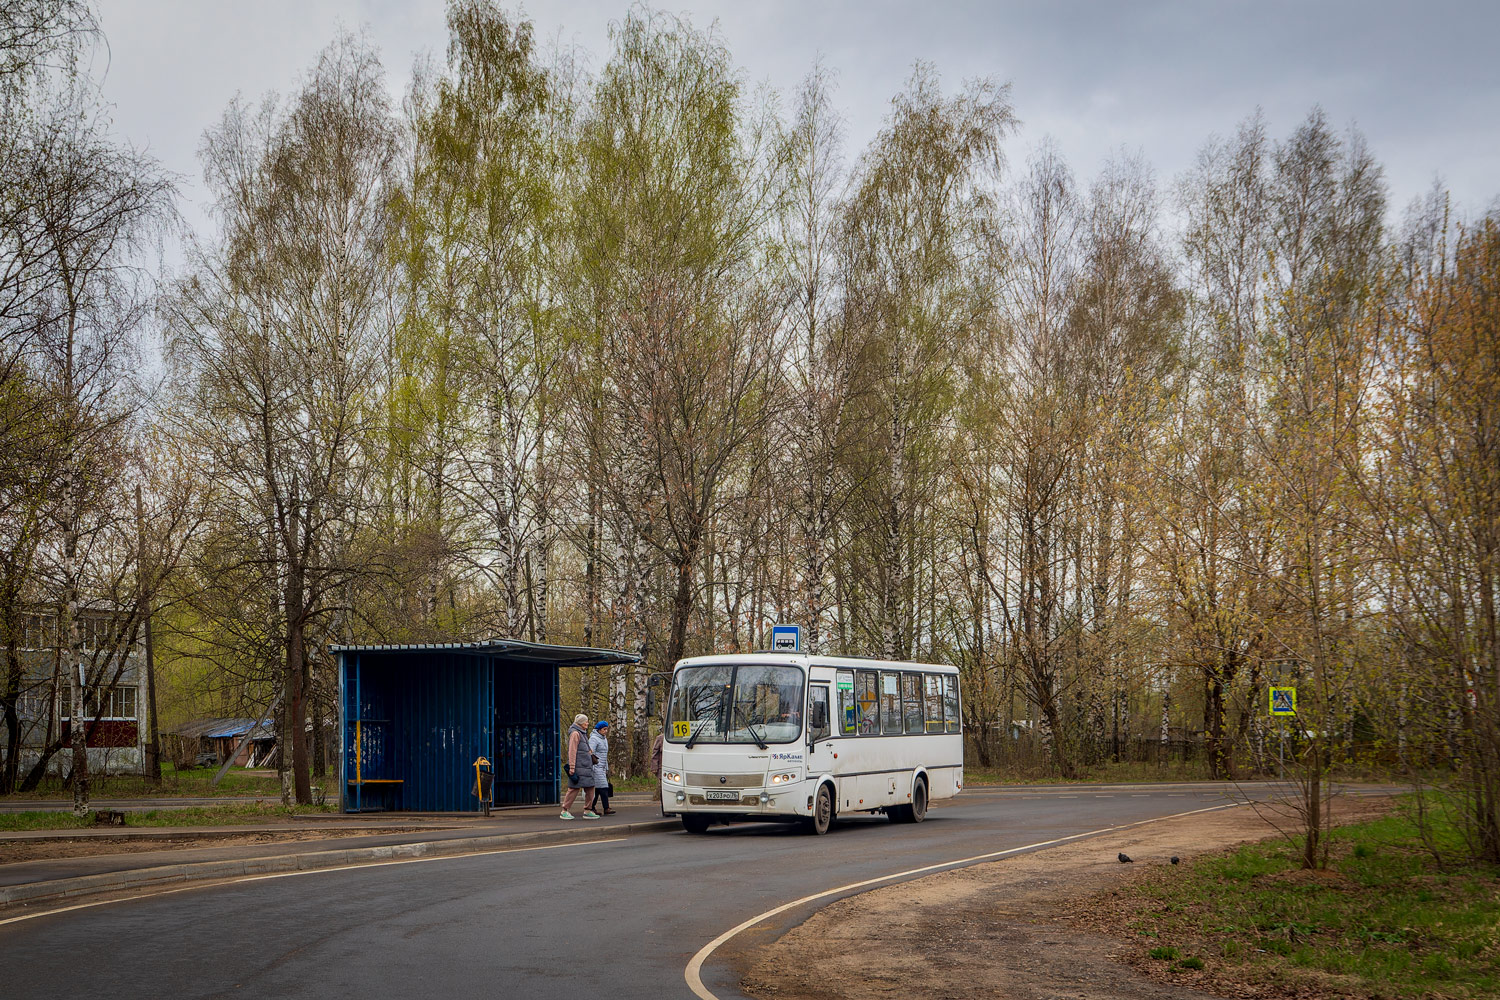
1124 858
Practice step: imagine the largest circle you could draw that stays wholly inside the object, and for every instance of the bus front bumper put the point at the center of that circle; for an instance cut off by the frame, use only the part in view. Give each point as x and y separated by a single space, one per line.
787 800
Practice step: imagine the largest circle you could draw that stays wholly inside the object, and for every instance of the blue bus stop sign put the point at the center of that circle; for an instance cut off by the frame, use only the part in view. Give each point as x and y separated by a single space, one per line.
786 638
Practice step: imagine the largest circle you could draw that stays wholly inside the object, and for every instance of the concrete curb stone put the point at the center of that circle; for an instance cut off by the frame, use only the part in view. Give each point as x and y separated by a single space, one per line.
84 885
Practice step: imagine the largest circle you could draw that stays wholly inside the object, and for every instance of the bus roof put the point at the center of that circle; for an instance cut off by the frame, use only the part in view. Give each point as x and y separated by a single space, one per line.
806 660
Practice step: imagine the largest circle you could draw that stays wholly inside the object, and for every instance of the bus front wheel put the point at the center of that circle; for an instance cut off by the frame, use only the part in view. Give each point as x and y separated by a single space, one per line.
822 815
694 824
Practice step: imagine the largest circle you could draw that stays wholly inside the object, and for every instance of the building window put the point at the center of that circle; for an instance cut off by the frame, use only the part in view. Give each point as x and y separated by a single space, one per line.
33 704
38 631
118 703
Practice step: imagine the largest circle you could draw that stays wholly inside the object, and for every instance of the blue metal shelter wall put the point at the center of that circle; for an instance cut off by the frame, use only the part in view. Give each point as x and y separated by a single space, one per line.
527 760
423 717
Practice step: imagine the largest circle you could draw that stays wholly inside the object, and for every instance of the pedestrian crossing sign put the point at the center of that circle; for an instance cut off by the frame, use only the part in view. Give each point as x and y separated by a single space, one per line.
1283 701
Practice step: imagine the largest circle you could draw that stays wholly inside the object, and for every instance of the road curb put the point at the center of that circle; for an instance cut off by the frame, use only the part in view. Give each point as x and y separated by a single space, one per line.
84 885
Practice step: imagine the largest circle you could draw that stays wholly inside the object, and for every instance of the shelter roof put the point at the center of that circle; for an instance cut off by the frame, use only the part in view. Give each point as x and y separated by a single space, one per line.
518 650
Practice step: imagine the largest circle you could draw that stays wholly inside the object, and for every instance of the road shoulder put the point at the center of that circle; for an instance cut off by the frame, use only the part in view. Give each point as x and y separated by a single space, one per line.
1020 927
34 884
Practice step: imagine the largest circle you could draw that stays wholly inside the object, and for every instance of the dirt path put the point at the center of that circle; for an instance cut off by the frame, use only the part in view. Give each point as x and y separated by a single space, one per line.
1023 928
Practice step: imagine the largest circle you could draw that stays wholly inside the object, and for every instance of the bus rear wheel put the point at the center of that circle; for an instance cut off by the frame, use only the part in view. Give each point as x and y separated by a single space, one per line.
695 824
917 811
822 814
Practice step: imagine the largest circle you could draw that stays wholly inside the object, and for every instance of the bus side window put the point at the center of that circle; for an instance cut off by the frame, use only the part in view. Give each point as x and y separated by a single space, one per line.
950 702
869 703
911 702
848 707
934 683
890 702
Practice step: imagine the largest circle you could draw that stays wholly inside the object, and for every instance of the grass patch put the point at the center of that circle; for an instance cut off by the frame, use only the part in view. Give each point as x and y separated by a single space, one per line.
194 782
228 814
19 821
1385 919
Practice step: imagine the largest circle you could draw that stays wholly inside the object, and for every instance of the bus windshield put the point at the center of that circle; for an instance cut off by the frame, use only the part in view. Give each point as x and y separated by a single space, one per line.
736 703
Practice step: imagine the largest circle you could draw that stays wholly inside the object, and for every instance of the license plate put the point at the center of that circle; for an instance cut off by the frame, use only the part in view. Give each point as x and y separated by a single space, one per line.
719 795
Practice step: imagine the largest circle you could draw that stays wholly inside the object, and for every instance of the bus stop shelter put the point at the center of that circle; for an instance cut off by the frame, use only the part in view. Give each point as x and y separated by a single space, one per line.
414 719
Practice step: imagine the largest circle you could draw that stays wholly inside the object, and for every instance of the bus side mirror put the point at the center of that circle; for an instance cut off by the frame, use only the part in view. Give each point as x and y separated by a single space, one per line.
655 684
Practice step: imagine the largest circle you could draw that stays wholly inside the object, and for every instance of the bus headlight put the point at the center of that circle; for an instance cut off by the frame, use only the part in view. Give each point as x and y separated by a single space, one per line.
672 776
785 779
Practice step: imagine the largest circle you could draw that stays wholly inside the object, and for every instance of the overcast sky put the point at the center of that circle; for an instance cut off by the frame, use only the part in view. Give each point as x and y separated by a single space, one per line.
1420 80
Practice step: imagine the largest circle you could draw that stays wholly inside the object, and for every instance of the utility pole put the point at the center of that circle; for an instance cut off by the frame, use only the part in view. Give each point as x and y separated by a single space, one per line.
153 732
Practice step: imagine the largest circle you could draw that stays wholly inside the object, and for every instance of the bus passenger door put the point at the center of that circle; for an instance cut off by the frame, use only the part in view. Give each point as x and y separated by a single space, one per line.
819 730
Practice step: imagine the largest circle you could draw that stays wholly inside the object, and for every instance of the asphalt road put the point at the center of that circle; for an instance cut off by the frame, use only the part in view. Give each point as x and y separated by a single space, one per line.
614 920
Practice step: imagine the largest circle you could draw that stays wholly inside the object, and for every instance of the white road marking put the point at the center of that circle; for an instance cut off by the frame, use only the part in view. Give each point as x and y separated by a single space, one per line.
693 972
311 871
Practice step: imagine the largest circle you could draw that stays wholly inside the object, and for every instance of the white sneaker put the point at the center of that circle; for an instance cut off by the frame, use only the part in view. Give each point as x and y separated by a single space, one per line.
565 815
590 814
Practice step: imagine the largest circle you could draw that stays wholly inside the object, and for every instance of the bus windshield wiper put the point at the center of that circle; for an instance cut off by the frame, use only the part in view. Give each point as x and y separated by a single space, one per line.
750 728
703 723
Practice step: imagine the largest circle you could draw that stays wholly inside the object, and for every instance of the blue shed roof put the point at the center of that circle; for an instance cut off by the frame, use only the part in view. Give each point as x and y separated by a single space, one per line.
230 728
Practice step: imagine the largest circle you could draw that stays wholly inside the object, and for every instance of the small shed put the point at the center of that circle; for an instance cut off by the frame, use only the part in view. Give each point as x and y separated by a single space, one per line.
415 717
220 736
257 749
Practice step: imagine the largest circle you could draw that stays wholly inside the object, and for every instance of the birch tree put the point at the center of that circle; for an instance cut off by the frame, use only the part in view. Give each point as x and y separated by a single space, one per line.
824 350
912 224
278 333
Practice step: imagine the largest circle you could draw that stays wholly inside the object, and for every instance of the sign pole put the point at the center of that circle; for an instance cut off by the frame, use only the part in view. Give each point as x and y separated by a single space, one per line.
1283 705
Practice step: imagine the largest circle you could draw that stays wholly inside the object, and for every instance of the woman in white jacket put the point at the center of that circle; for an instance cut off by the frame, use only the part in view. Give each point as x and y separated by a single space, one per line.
599 744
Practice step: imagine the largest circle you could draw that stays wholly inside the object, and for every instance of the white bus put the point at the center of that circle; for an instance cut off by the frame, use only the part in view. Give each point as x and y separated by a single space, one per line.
779 736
